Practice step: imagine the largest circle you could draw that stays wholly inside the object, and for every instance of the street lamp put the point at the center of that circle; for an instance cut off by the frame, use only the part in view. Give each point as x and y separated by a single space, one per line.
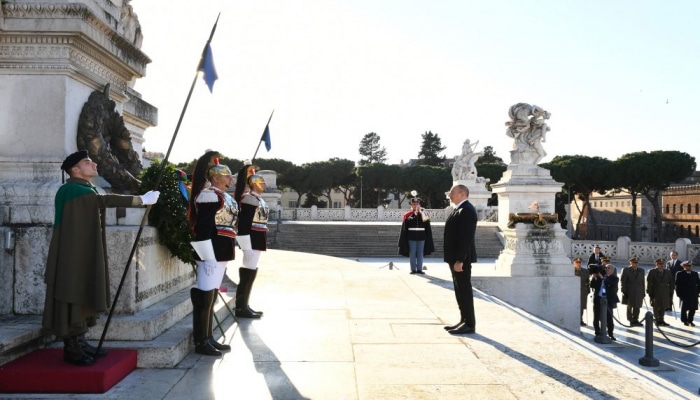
360 191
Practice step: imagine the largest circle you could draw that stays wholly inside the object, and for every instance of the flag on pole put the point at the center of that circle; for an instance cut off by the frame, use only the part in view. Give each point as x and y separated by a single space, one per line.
207 67
266 137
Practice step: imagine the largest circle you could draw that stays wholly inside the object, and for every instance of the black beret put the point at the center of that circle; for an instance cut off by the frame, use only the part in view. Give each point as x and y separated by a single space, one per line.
73 159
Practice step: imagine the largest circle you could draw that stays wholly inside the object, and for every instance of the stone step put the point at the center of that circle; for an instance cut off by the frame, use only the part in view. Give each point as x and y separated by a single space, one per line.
161 334
366 240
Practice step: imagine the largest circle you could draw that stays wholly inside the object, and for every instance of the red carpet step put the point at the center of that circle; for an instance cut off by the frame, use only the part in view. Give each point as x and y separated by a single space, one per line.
44 371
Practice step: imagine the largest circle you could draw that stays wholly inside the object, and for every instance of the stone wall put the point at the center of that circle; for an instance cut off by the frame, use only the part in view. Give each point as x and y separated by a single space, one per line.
153 274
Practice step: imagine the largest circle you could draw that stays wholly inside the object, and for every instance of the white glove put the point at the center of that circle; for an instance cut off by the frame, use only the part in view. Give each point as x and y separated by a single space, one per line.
150 197
209 266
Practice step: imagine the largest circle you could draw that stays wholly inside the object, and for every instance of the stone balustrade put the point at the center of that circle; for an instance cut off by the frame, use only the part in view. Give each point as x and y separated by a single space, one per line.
348 214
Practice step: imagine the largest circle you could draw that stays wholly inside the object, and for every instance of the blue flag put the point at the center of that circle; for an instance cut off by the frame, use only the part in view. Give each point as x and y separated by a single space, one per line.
266 138
207 67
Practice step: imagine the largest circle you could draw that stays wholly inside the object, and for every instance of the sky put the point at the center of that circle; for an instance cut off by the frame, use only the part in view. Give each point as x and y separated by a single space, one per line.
617 76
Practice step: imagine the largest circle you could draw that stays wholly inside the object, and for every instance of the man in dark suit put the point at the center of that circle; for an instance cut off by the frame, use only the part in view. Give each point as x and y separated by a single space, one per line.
596 257
673 265
460 253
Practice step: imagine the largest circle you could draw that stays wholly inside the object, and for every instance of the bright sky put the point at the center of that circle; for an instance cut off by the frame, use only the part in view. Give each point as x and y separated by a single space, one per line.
617 76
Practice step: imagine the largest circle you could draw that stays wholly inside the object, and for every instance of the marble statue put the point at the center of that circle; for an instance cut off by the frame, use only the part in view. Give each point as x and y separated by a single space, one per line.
464 168
528 128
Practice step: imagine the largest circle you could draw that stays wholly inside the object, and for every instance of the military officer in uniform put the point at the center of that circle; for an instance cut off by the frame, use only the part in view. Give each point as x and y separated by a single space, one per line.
212 215
252 234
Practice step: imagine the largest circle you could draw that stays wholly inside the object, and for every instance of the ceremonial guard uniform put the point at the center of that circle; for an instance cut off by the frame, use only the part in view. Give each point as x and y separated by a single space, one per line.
252 235
212 215
416 238
77 271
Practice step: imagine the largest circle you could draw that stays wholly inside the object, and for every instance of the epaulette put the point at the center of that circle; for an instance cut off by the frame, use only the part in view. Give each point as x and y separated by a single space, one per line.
251 199
207 196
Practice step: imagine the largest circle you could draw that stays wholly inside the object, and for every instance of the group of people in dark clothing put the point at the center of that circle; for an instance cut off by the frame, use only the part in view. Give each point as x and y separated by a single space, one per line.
600 279
77 285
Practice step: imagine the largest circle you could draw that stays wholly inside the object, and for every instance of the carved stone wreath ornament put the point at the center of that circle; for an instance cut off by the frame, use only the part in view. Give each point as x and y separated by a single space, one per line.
101 131
539 220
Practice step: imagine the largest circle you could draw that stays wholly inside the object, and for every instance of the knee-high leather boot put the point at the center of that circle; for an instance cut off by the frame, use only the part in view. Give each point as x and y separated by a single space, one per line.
253 275
245 283
200 320
210 325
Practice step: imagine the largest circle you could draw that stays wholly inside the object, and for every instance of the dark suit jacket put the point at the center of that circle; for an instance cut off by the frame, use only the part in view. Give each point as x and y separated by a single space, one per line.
460 232
592 260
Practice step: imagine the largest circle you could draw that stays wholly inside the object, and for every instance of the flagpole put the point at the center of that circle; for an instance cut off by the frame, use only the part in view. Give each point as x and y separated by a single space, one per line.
158 180
267 126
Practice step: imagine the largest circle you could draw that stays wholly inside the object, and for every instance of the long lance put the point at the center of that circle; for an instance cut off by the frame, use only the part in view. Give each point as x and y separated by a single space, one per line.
160 177
267 126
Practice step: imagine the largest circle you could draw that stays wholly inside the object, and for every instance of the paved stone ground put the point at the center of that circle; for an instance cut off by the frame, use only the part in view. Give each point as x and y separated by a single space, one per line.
340 329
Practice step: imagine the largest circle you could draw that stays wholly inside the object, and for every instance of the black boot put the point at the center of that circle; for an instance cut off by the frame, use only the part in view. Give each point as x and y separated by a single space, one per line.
200 319
253 275
210 325
90 349
74 354
245 283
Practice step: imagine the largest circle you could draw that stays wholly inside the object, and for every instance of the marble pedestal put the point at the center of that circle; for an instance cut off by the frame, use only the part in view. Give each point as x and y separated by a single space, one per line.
533 271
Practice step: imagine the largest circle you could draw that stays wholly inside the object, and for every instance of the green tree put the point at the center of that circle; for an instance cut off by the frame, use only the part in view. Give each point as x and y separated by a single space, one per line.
300 179
431 183
430 150
493 172
489 157
628 178
583 175
376 183
656 171
281 167
332 174
371 150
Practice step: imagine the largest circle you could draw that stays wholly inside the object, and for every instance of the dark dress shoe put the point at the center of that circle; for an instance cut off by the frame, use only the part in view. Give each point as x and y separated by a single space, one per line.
260 313
691 323
206 348
455 326
217 345
464 328
686 323
421 272
583 323
612 338
245 313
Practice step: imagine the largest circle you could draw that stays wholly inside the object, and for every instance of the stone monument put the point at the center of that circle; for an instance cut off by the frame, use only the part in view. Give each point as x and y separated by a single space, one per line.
533 271
464 172
54 56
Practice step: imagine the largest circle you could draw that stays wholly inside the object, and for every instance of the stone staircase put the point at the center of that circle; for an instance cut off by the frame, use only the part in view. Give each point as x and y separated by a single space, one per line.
161 334
366 239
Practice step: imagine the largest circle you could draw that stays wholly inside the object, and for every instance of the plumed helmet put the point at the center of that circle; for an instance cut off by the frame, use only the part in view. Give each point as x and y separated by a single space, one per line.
215 168
244 175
